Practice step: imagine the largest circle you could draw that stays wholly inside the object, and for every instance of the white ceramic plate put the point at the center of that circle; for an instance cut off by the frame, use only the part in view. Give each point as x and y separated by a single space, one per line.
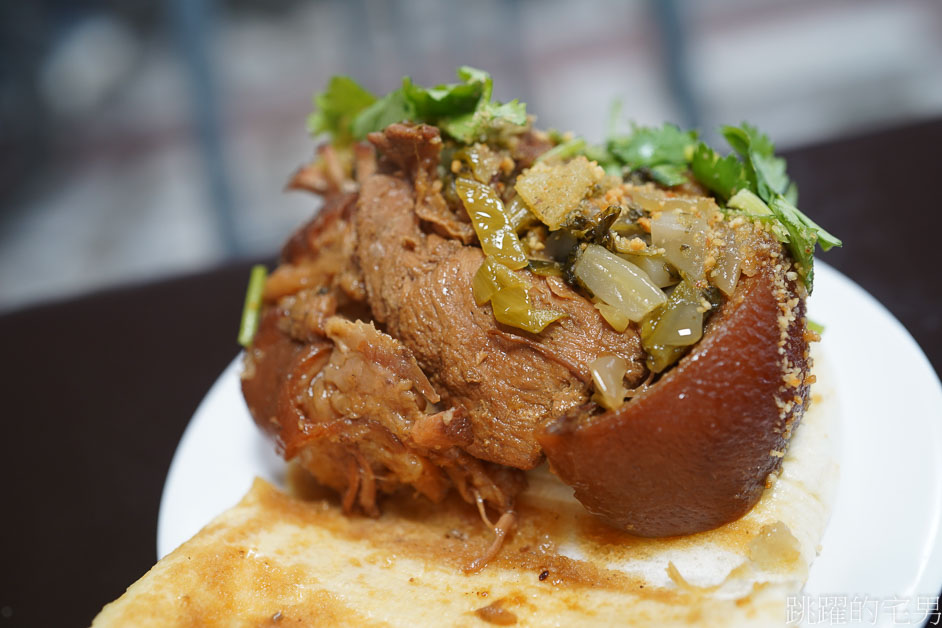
881 557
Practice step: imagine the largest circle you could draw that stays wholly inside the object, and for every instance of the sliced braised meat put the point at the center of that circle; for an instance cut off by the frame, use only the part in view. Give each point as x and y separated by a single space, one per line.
355 409
277 370
414 151
320 255
419 287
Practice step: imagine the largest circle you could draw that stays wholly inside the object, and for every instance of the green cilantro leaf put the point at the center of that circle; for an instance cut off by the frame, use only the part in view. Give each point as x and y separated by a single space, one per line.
336 108
463 110
789 213
391 108
764 169
468 128
766 176
473 75
650 146
801 238
724 176
792 228
441 101
669 175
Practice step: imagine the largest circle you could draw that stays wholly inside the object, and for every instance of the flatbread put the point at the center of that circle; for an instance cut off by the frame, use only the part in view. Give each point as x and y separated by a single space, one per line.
279 560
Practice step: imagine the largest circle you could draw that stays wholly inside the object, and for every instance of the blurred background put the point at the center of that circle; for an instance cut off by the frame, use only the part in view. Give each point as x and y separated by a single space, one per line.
143 138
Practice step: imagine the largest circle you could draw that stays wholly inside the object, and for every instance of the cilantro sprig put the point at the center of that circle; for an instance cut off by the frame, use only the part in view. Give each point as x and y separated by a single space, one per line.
464 111
752 179
754 168
663 151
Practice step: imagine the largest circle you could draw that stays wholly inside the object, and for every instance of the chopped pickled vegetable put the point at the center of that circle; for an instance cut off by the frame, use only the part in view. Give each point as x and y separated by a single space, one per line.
617 282
552 192
512 307
656 267
653 200
596 228
613 316
509 296
683 238
518 214
483 162
560 245
491 277
627 224
608 375
253 305
490 222
668 331
545 268
680 321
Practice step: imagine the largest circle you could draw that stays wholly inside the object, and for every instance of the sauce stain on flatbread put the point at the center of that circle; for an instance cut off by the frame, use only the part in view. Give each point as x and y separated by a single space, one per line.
281 560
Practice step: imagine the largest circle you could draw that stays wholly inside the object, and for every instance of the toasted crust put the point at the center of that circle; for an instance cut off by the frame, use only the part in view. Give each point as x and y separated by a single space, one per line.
279 560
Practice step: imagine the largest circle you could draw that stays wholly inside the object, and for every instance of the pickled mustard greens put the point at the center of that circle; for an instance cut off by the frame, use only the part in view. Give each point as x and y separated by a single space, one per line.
508 294
672 329
617 282
672 157
552 192
649 225
664 152
491 223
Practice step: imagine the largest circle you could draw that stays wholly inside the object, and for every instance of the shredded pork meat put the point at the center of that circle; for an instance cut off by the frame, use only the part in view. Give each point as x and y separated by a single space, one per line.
375 367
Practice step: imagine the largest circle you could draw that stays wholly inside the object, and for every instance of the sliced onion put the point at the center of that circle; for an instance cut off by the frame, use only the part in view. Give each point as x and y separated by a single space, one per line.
656 268
653 200
683 238
613 316
617 282
608 375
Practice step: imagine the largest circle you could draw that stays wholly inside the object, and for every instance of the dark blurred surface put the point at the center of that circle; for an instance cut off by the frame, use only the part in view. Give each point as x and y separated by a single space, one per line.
871 192
97 391
148 138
